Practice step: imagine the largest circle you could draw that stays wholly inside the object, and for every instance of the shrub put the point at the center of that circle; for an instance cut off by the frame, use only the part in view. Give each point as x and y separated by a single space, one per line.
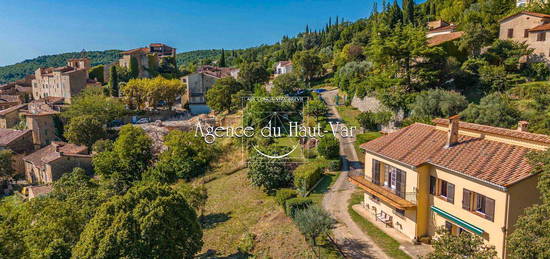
246 243
310 153
334 165
306 175
329 147
371 120
283 195
295 204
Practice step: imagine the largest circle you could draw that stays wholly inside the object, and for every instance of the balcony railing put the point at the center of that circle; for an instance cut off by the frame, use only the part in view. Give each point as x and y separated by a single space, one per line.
406 201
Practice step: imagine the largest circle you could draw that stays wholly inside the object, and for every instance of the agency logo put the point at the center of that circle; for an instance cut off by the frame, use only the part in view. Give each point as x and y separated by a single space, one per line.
282 120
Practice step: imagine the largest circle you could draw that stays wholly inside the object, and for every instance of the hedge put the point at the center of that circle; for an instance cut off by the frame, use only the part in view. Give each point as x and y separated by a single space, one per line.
306 175
294 204
283 195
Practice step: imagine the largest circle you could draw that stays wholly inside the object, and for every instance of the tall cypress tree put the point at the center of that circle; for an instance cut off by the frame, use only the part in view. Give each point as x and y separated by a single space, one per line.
134 67
307 28
113 81
222 59
408 11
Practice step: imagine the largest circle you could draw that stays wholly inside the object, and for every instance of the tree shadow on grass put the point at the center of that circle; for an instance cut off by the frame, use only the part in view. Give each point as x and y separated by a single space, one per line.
213 219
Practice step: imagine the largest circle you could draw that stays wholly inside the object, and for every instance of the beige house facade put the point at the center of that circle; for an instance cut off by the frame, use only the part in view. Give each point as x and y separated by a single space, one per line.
146 57
530 28
64 82
51 162
454 175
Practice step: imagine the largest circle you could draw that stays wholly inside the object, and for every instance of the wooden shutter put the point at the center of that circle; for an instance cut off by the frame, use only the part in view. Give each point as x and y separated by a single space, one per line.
526 33
450 192
400 183
510 33
387 177
433 180
489 208
466 199
375 171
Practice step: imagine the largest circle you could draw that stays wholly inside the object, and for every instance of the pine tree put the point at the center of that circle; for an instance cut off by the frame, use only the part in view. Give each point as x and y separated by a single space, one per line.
307 28
222 59
113 82
330 22
408 11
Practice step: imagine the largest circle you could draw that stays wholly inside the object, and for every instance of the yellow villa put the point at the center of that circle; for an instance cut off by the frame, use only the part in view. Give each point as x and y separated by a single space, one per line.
457 175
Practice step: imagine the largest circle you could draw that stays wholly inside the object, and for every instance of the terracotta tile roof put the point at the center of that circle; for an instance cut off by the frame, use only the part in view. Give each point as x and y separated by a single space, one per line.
10 98
442 38
133 51
542 27
540 15
54 151
498 131
9 135
451 27
285 63
13 108
218 72
489 161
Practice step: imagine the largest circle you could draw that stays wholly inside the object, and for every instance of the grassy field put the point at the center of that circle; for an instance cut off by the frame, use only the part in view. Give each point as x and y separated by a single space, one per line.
388 244
349 115
296 155
235 208
317 194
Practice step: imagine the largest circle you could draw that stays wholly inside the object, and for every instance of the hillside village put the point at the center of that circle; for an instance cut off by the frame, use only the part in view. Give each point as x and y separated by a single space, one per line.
451 100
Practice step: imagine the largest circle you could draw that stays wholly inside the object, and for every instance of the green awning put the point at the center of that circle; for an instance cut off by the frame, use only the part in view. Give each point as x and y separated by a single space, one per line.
457 221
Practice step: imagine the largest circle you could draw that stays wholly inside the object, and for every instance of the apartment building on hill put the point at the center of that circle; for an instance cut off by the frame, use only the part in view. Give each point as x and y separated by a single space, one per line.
457 175
66 81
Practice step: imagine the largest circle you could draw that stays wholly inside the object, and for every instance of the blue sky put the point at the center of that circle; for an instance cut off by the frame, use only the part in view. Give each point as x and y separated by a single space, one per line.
30 28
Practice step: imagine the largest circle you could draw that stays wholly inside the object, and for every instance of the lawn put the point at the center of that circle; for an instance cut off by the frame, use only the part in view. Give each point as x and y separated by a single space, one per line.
388 244
235 208
349 115
290 142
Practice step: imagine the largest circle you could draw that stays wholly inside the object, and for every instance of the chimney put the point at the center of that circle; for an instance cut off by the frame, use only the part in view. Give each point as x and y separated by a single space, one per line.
452 135
522 126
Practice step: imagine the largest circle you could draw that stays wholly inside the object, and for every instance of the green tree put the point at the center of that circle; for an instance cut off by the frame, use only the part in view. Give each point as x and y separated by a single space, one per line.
97 73
6 168
465 245
113 81
130 157
85 130
222 59
195 195
142 224
286 84
267 173
252 74
494 78
316 108
134 68
307 65
495 109
314 222
408 11
438 103
531 238
329 147
186 156
92 102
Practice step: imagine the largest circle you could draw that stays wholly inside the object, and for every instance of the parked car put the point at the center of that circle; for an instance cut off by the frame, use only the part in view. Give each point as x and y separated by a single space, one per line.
142 121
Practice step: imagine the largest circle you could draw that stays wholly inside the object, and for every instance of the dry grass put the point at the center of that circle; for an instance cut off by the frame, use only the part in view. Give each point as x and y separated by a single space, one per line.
234 208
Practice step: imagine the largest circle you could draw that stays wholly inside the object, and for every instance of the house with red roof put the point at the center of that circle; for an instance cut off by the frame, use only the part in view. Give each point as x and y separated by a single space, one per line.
461 176
51 162
146 57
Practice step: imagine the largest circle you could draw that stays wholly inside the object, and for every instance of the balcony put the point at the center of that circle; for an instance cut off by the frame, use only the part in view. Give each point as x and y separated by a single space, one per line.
385 194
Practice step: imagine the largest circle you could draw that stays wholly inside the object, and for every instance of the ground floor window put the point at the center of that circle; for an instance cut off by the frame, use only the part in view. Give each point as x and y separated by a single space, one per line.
454 229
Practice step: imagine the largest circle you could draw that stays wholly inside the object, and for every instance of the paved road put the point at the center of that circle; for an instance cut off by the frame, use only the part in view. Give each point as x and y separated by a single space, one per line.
350 238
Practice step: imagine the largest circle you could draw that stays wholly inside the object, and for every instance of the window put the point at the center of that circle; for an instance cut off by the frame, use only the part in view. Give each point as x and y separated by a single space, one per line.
442 188
526 33
375 171
510 33
395 179
479 204
541 36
